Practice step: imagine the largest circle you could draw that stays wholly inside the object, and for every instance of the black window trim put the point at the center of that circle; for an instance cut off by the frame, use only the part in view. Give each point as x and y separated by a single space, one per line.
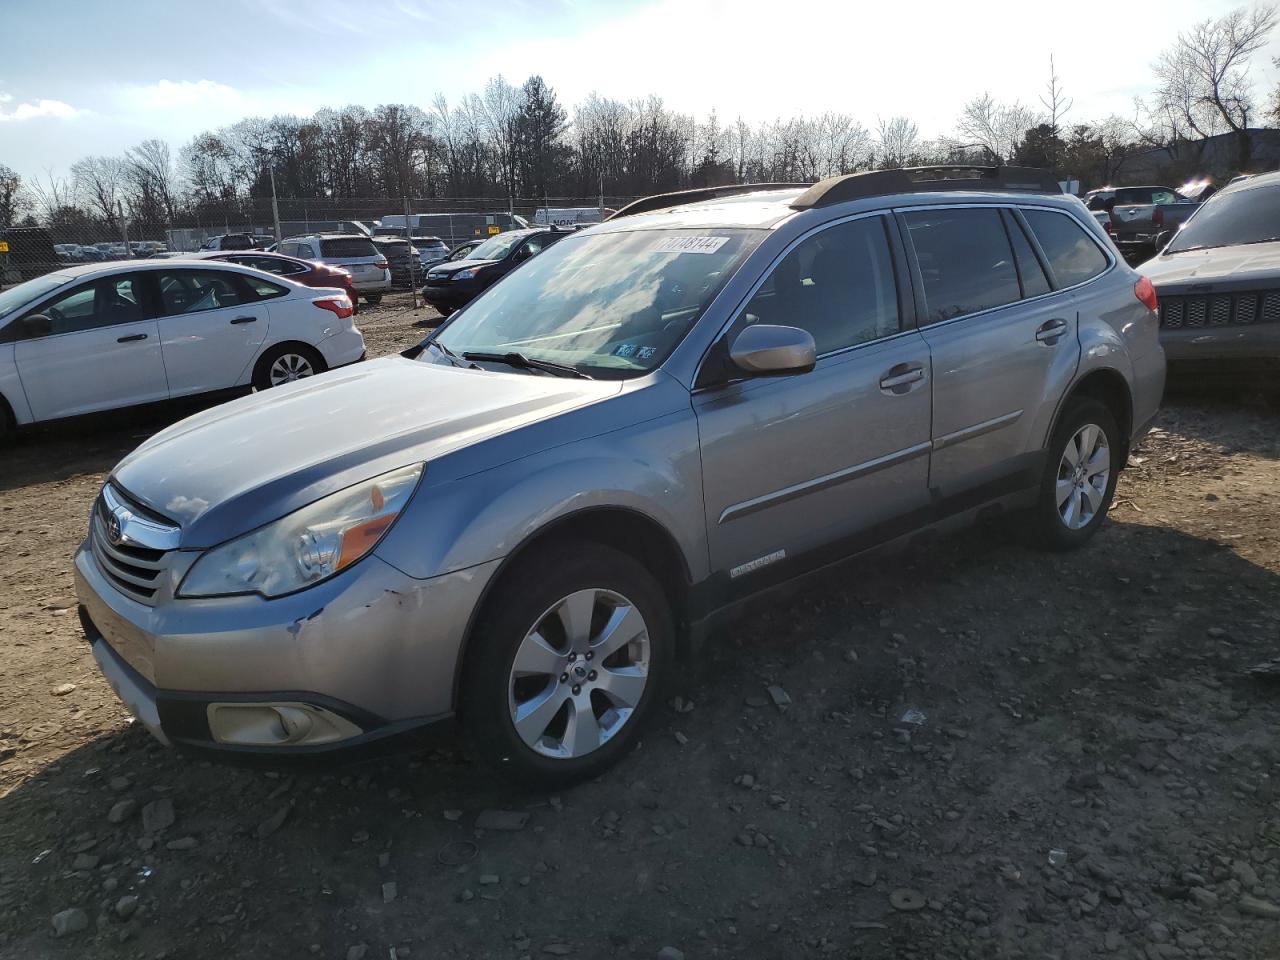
897 258
917 280
1014 222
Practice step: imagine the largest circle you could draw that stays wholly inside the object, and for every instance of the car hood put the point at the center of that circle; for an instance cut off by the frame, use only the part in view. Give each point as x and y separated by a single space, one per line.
448 269
1245 265
237 466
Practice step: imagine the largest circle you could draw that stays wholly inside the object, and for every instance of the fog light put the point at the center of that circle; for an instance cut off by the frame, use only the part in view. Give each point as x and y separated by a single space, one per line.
277 724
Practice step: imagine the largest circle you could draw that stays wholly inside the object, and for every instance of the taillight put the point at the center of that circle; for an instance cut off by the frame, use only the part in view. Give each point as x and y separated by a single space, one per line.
1145 291
339 306
1157 217
381 264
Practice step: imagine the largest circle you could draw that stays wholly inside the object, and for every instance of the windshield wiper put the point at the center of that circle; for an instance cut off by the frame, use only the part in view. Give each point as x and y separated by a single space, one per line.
519 360
449 354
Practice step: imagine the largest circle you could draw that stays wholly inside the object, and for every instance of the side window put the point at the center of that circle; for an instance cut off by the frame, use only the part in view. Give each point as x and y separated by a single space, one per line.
260 289
1163 196
532 246
838 284
1034 282
1073 255
289 248
192 291
101 303
965 261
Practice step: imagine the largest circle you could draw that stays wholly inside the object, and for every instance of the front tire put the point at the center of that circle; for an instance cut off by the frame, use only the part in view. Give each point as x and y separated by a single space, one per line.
1080 475
286 363
565 664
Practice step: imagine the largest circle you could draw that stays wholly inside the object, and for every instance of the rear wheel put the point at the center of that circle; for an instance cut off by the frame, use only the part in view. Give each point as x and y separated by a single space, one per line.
373 299
8 425
565 664
1080 475
285 364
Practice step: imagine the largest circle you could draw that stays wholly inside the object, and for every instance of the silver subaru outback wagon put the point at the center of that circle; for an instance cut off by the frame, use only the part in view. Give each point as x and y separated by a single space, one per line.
522 523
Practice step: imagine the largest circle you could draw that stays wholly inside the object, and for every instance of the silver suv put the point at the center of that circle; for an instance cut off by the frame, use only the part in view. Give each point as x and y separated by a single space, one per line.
525 522
370 271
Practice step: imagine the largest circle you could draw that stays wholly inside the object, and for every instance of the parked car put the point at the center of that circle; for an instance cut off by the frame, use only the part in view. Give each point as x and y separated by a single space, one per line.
1138 214
305 272
402 260
99 337
1218 279
526 519
455 283
230 241
431 250
355 253
26 252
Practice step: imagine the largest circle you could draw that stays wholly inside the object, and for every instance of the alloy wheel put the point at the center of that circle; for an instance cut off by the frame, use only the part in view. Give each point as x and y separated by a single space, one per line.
1083 474
579 674
290 367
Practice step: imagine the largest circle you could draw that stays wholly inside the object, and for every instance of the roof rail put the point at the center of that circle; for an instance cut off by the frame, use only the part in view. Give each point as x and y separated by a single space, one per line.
661 201
855 186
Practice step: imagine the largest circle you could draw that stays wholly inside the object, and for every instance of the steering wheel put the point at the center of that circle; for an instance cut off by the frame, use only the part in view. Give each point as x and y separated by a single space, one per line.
53 313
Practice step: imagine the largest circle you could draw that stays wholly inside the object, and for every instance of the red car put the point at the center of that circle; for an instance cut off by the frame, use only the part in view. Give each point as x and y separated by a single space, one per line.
305 272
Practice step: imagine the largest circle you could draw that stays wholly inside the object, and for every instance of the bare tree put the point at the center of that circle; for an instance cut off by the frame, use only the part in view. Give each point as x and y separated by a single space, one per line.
1204 77
13 199
52 194
897 140
1057 104
149 169
996 128
99 181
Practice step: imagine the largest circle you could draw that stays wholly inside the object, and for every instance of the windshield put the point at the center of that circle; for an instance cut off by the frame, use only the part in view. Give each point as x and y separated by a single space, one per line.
613 304
15 297
495 248
1240 216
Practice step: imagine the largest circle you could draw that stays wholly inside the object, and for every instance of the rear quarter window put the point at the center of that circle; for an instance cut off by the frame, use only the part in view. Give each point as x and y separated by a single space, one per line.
1073 255
347 247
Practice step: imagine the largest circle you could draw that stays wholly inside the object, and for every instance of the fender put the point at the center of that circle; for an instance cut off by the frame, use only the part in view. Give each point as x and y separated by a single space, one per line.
1102 349
652 469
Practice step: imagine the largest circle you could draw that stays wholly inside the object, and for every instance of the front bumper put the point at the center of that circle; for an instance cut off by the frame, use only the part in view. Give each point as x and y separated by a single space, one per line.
452 295
372 646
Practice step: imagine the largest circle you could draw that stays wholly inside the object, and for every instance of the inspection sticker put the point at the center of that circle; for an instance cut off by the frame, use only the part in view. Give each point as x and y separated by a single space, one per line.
689 244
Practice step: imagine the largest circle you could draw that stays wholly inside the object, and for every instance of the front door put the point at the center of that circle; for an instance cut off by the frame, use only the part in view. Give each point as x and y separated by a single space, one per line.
99 349
800 468
211 326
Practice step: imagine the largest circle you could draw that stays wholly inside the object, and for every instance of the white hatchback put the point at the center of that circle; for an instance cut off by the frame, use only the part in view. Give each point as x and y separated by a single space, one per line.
110 335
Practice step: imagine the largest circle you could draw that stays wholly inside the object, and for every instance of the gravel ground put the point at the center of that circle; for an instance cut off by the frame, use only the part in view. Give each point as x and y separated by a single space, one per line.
980 751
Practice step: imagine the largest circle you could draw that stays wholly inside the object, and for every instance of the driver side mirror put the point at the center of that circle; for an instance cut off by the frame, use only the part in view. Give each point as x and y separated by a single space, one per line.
765 350
37 325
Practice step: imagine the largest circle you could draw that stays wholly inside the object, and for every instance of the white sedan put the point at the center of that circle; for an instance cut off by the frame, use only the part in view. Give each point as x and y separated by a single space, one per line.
112 335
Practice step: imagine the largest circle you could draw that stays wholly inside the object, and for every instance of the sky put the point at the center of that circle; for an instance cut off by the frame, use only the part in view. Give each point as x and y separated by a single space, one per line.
87 77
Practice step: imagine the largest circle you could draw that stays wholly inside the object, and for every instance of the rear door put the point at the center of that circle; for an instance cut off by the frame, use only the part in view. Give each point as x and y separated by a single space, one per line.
212 323
100 350
1003 344
823 462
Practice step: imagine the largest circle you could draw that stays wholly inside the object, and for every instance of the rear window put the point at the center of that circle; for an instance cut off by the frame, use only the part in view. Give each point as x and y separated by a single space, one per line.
1127 195
347 247
965 261
1073 255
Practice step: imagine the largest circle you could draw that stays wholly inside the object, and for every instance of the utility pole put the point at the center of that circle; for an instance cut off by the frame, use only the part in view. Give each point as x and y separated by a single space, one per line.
124 231
602 194
275 206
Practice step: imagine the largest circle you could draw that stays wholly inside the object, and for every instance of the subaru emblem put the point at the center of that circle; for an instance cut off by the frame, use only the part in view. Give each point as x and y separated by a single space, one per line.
114 530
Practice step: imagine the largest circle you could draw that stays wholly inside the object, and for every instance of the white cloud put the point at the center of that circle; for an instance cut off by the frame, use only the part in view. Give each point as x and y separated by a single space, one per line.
56 109
183 94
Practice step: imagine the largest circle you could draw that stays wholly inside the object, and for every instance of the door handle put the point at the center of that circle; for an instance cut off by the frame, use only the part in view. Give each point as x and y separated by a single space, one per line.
131 339
1051 331
244 320
899 378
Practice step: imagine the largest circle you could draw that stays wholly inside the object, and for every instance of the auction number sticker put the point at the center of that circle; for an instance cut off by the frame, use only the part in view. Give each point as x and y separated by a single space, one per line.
689 244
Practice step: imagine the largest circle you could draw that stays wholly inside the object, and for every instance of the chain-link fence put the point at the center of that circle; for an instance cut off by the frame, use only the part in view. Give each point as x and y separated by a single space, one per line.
79 238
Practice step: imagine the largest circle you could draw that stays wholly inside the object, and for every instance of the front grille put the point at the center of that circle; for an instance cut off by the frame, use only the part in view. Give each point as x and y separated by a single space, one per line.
1219 309
135 570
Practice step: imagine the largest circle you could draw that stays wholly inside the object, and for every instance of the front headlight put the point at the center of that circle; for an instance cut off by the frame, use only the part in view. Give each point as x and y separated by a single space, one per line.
465 274
308 545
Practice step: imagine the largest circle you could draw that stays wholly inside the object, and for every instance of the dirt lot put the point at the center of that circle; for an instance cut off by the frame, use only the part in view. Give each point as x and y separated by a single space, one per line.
1094 772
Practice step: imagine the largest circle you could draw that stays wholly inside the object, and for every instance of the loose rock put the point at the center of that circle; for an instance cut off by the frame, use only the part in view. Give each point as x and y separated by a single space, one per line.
273 823
62 689
70 921
126 906
1259 908
158 815
906 900
122 810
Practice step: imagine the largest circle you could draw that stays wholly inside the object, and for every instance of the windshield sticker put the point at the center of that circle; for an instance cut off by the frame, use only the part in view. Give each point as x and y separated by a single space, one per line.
625 350
689 244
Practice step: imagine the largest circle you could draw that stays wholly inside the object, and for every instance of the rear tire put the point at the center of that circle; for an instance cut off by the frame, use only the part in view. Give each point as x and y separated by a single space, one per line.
286 363
373 299
1080 476
565 664
8 425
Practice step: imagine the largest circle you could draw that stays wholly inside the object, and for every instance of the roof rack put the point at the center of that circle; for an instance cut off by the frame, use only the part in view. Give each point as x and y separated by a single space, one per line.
855 186
661 201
